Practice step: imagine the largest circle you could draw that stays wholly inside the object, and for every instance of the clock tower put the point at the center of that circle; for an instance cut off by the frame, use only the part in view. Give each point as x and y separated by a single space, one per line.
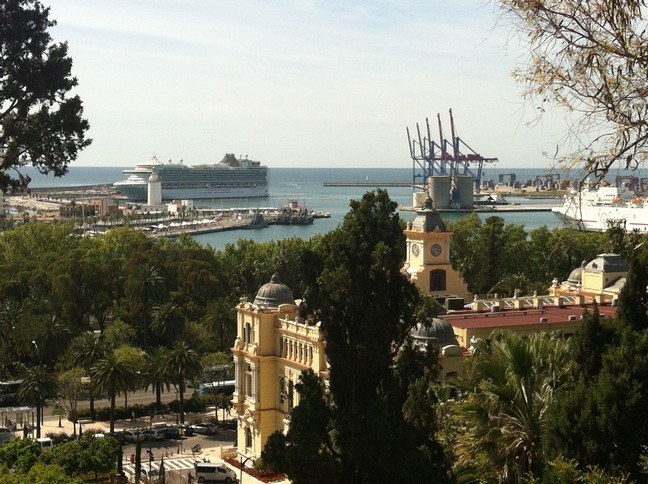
428 256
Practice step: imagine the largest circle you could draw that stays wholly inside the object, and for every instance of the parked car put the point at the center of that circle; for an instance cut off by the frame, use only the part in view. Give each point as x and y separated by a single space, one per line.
229 424
133 436
154 434
186 430
206 471
172 432
205 428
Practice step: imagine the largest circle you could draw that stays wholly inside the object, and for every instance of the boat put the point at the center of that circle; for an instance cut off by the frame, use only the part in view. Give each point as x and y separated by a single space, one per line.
232 177
598 208
293 214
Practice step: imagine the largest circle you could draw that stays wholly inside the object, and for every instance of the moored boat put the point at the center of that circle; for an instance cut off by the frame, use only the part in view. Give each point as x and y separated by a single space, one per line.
598 208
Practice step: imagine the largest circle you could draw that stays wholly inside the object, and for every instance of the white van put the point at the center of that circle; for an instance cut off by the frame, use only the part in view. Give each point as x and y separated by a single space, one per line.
214 472
45 443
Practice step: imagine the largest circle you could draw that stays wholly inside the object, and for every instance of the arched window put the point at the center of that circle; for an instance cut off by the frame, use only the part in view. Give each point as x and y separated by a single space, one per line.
438 280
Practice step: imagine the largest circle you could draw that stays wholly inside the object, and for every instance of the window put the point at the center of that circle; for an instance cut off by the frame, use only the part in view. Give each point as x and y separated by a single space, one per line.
247 333
248 438
248 381
438 280
291 395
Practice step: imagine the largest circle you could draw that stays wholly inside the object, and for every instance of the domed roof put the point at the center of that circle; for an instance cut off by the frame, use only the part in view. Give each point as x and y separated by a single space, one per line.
274 293
575 276
437 332
608 263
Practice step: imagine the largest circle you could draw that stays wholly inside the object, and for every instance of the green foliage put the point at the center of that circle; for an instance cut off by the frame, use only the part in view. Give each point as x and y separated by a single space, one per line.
510 385
492 256
20 454
40 474
41 123
366 307
307 445
86 455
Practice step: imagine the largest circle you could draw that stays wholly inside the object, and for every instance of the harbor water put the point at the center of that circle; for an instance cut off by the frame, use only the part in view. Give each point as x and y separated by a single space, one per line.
306 186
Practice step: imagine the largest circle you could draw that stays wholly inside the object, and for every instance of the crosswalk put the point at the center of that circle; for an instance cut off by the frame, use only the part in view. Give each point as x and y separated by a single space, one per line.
169 465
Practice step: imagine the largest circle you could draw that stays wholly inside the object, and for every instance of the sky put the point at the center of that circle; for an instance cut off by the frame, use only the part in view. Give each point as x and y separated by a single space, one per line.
296 83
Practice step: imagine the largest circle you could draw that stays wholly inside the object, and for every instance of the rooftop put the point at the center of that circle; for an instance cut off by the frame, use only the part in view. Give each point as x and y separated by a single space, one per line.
500 319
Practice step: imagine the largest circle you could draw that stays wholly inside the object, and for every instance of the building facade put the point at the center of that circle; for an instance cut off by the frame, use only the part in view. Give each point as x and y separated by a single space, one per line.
428 257
274 344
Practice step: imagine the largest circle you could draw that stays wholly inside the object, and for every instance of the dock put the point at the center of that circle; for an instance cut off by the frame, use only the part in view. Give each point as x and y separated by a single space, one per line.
366 184
491 209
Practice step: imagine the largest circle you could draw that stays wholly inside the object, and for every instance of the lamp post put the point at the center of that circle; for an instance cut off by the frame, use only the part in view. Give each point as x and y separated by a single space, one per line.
39 410
243 461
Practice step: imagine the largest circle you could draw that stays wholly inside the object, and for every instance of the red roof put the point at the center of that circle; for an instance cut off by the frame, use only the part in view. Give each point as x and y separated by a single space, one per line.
554 315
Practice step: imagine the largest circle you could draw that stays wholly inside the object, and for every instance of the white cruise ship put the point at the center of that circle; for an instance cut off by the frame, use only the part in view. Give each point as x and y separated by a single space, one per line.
599 208
233 177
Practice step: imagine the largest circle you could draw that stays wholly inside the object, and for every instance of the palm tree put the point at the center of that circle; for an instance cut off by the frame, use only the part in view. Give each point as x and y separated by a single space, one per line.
114 376
86 350
509 389
167 321
183 363
143 288
157 373
38 383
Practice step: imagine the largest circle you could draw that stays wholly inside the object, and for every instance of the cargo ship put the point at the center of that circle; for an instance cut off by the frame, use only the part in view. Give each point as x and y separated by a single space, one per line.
232 177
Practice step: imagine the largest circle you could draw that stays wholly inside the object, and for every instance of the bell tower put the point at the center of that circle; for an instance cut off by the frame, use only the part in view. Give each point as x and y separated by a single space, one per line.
428 256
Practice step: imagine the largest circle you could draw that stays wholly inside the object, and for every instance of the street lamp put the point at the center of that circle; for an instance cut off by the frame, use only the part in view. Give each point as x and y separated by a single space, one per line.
39 409
243 461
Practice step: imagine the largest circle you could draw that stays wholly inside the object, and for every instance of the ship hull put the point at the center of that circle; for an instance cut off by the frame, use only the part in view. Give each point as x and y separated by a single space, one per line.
140 192
601 218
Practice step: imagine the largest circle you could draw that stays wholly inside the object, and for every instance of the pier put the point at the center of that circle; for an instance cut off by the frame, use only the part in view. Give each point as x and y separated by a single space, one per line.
365 184
492 209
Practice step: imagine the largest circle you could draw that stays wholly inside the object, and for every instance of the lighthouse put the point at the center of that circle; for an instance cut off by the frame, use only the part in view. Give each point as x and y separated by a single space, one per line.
154 190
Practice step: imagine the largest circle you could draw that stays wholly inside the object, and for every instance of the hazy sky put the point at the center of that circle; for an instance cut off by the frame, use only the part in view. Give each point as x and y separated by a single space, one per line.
295 83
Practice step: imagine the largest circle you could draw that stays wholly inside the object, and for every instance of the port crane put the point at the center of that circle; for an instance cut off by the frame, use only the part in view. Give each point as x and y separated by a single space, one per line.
453 157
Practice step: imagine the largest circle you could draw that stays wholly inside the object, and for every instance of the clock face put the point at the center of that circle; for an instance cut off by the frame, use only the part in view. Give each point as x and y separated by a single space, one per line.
435 250
415 250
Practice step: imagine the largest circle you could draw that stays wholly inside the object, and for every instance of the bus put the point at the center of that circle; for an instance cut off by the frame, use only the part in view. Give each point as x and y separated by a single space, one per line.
8 392
215 388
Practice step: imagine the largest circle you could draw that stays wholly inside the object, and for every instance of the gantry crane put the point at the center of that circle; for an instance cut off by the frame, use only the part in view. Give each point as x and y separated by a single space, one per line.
430 158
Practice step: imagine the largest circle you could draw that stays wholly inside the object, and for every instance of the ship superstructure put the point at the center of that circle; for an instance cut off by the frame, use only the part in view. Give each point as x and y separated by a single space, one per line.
232 177
601 207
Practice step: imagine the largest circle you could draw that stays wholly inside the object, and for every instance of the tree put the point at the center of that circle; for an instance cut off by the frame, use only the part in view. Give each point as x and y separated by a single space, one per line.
41 124
307 444
509 389
71 390
38 383
156 373
367 307
590 58
183 363
114 376
85 351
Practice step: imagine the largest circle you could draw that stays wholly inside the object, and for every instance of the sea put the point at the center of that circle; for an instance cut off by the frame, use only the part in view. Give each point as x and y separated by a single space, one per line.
306 185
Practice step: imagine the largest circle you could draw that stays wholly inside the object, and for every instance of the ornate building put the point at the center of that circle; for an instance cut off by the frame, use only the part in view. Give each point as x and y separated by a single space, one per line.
273 346
428 257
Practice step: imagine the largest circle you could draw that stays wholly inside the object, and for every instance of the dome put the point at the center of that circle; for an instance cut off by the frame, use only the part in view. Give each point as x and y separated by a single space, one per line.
608 263
274 293
438 333
575 276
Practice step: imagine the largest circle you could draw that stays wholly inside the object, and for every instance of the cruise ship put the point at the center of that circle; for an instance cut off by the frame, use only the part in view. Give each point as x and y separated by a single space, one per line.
599 208
232 177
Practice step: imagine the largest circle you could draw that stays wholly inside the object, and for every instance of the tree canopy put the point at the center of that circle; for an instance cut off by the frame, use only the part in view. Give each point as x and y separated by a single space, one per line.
591 59
41 122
